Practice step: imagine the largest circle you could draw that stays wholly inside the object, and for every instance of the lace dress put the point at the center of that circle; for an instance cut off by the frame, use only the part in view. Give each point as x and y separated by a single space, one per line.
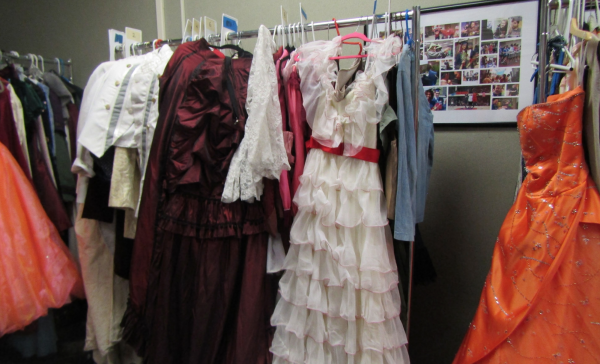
339 295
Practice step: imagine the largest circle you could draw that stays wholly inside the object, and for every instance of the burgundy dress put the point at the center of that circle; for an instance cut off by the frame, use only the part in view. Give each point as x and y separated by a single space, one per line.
199 290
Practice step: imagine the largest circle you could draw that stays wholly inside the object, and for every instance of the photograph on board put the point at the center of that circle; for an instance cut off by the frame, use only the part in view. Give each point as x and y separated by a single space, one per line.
470 77
441 32
487 29
500 75
498 90
500 28
466 54
447 65
505 103
512 89
489 61
430 73
469 98
470 29
439 50
436 97
510 53
451 78
515 24
489 47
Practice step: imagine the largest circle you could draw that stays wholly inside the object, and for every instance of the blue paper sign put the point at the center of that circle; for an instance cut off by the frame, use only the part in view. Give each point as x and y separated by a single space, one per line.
230 24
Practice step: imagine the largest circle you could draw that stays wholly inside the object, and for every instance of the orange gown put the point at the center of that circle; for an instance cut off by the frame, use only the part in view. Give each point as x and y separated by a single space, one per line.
37 270
541 299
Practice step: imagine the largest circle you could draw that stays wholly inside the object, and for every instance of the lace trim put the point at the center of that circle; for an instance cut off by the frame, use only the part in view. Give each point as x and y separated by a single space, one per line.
262 151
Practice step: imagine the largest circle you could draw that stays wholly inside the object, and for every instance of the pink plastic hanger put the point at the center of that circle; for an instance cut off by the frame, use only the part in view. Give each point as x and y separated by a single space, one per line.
357 35
353 35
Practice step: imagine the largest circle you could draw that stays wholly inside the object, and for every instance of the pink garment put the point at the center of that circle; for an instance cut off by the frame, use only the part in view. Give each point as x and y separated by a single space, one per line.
284 182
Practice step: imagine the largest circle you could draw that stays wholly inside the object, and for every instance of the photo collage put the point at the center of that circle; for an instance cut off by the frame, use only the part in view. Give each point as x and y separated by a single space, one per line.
472 65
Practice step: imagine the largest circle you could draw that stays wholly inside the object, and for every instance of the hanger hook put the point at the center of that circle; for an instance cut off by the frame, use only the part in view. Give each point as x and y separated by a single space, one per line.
57 65
31 57
42 63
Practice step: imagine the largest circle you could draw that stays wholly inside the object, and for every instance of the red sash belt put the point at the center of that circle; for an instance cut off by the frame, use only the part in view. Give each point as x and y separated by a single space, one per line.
365 154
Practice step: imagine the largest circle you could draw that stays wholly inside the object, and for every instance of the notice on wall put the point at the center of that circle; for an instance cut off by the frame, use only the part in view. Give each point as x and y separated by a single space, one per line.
476 63
115 38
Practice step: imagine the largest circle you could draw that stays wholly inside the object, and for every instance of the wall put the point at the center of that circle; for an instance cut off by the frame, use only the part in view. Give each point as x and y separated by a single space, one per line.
475 168
472 187
73 29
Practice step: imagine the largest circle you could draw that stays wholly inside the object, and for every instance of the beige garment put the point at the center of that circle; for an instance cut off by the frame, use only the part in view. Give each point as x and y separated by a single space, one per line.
391 179
17 109
125 186
591 111
43 142
106 293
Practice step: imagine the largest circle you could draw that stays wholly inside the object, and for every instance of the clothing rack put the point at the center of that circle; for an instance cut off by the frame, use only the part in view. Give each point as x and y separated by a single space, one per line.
58 63
314 26
413 14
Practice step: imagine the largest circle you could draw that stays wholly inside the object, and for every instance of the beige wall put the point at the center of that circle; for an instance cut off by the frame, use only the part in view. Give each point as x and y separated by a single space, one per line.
474 172
76 29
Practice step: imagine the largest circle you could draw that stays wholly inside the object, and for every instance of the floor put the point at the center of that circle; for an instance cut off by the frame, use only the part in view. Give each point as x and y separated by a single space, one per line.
69 323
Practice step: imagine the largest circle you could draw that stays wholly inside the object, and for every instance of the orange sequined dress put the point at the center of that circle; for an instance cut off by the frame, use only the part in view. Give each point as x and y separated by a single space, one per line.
37 271
541 299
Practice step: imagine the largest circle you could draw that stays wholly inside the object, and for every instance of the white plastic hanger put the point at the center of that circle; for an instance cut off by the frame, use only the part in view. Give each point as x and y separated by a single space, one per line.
42 64
312 27
275 28
32 59
58 65
281 36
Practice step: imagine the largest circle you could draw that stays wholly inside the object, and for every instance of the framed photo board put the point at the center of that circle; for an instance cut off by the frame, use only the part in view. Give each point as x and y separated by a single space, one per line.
476 62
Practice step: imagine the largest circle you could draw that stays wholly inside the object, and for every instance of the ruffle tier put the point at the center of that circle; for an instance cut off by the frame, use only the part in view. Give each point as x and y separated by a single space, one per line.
377 344
198 217
339 295
340 191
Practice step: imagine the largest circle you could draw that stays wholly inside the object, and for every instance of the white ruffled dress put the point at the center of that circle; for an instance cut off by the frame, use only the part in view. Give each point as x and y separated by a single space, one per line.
340 302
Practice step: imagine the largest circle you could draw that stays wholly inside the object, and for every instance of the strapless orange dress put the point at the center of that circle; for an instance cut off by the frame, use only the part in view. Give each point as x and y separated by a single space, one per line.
37 271
541 299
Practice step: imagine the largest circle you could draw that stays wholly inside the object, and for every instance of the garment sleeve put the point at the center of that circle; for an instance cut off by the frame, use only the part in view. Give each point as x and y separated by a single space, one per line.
404 226
262 152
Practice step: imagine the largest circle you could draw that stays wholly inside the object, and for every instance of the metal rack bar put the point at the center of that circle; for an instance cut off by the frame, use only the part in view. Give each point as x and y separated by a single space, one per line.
542 51
416 35
10 56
